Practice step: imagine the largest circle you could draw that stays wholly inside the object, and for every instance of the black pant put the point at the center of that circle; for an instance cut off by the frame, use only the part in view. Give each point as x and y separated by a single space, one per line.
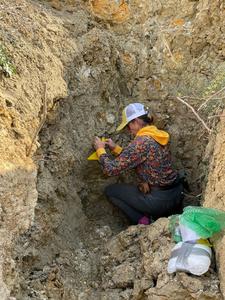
135 204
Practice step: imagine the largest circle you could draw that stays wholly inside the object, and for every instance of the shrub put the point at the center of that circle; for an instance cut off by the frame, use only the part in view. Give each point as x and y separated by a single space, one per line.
6 67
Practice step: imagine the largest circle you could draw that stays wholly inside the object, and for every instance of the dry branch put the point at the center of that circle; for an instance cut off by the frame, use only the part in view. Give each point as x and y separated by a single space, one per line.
42 120
197 98
211 97
216 116
168 48
195 113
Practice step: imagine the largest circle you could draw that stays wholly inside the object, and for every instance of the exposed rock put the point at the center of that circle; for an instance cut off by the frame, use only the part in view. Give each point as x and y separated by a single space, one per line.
140 266
93 62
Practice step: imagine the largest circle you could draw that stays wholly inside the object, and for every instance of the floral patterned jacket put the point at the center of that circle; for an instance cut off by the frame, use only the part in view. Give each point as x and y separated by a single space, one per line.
151 161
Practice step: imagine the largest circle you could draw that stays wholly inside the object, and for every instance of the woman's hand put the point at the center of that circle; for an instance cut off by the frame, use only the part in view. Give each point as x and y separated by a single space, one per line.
110 144
98 143
144 187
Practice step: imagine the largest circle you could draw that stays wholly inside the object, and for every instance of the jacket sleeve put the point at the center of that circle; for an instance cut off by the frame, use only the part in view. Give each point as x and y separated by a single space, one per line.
117 150
133 155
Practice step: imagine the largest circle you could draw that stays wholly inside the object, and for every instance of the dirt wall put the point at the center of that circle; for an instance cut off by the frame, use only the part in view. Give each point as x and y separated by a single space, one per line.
92 65
31 40
215 195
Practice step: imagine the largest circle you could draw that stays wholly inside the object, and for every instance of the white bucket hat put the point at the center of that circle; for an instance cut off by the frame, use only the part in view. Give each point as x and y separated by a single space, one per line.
131 112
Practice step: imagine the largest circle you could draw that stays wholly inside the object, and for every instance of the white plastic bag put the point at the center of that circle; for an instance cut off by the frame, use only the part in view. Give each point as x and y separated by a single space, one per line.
187 234
191 258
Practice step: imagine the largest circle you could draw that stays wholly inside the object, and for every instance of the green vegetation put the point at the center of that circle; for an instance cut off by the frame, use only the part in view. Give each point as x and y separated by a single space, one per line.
217 84
214 94
6 67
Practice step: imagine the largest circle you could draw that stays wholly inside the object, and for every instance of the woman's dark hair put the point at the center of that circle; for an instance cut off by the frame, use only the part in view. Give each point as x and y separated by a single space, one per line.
148 119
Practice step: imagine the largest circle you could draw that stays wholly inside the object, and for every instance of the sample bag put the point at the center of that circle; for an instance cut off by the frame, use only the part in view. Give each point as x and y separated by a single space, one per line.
190 230
190 258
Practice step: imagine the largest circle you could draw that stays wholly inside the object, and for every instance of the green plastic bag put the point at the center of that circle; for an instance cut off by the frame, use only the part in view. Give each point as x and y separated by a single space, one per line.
174 228
204 221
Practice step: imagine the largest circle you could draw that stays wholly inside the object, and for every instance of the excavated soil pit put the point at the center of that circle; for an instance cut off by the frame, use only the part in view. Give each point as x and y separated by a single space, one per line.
64 254
79 246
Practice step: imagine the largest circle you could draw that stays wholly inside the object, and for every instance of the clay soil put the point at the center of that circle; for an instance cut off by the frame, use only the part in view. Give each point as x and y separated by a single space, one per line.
84 61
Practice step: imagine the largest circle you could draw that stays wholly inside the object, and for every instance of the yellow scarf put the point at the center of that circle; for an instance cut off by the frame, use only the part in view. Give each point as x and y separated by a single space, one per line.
160 136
